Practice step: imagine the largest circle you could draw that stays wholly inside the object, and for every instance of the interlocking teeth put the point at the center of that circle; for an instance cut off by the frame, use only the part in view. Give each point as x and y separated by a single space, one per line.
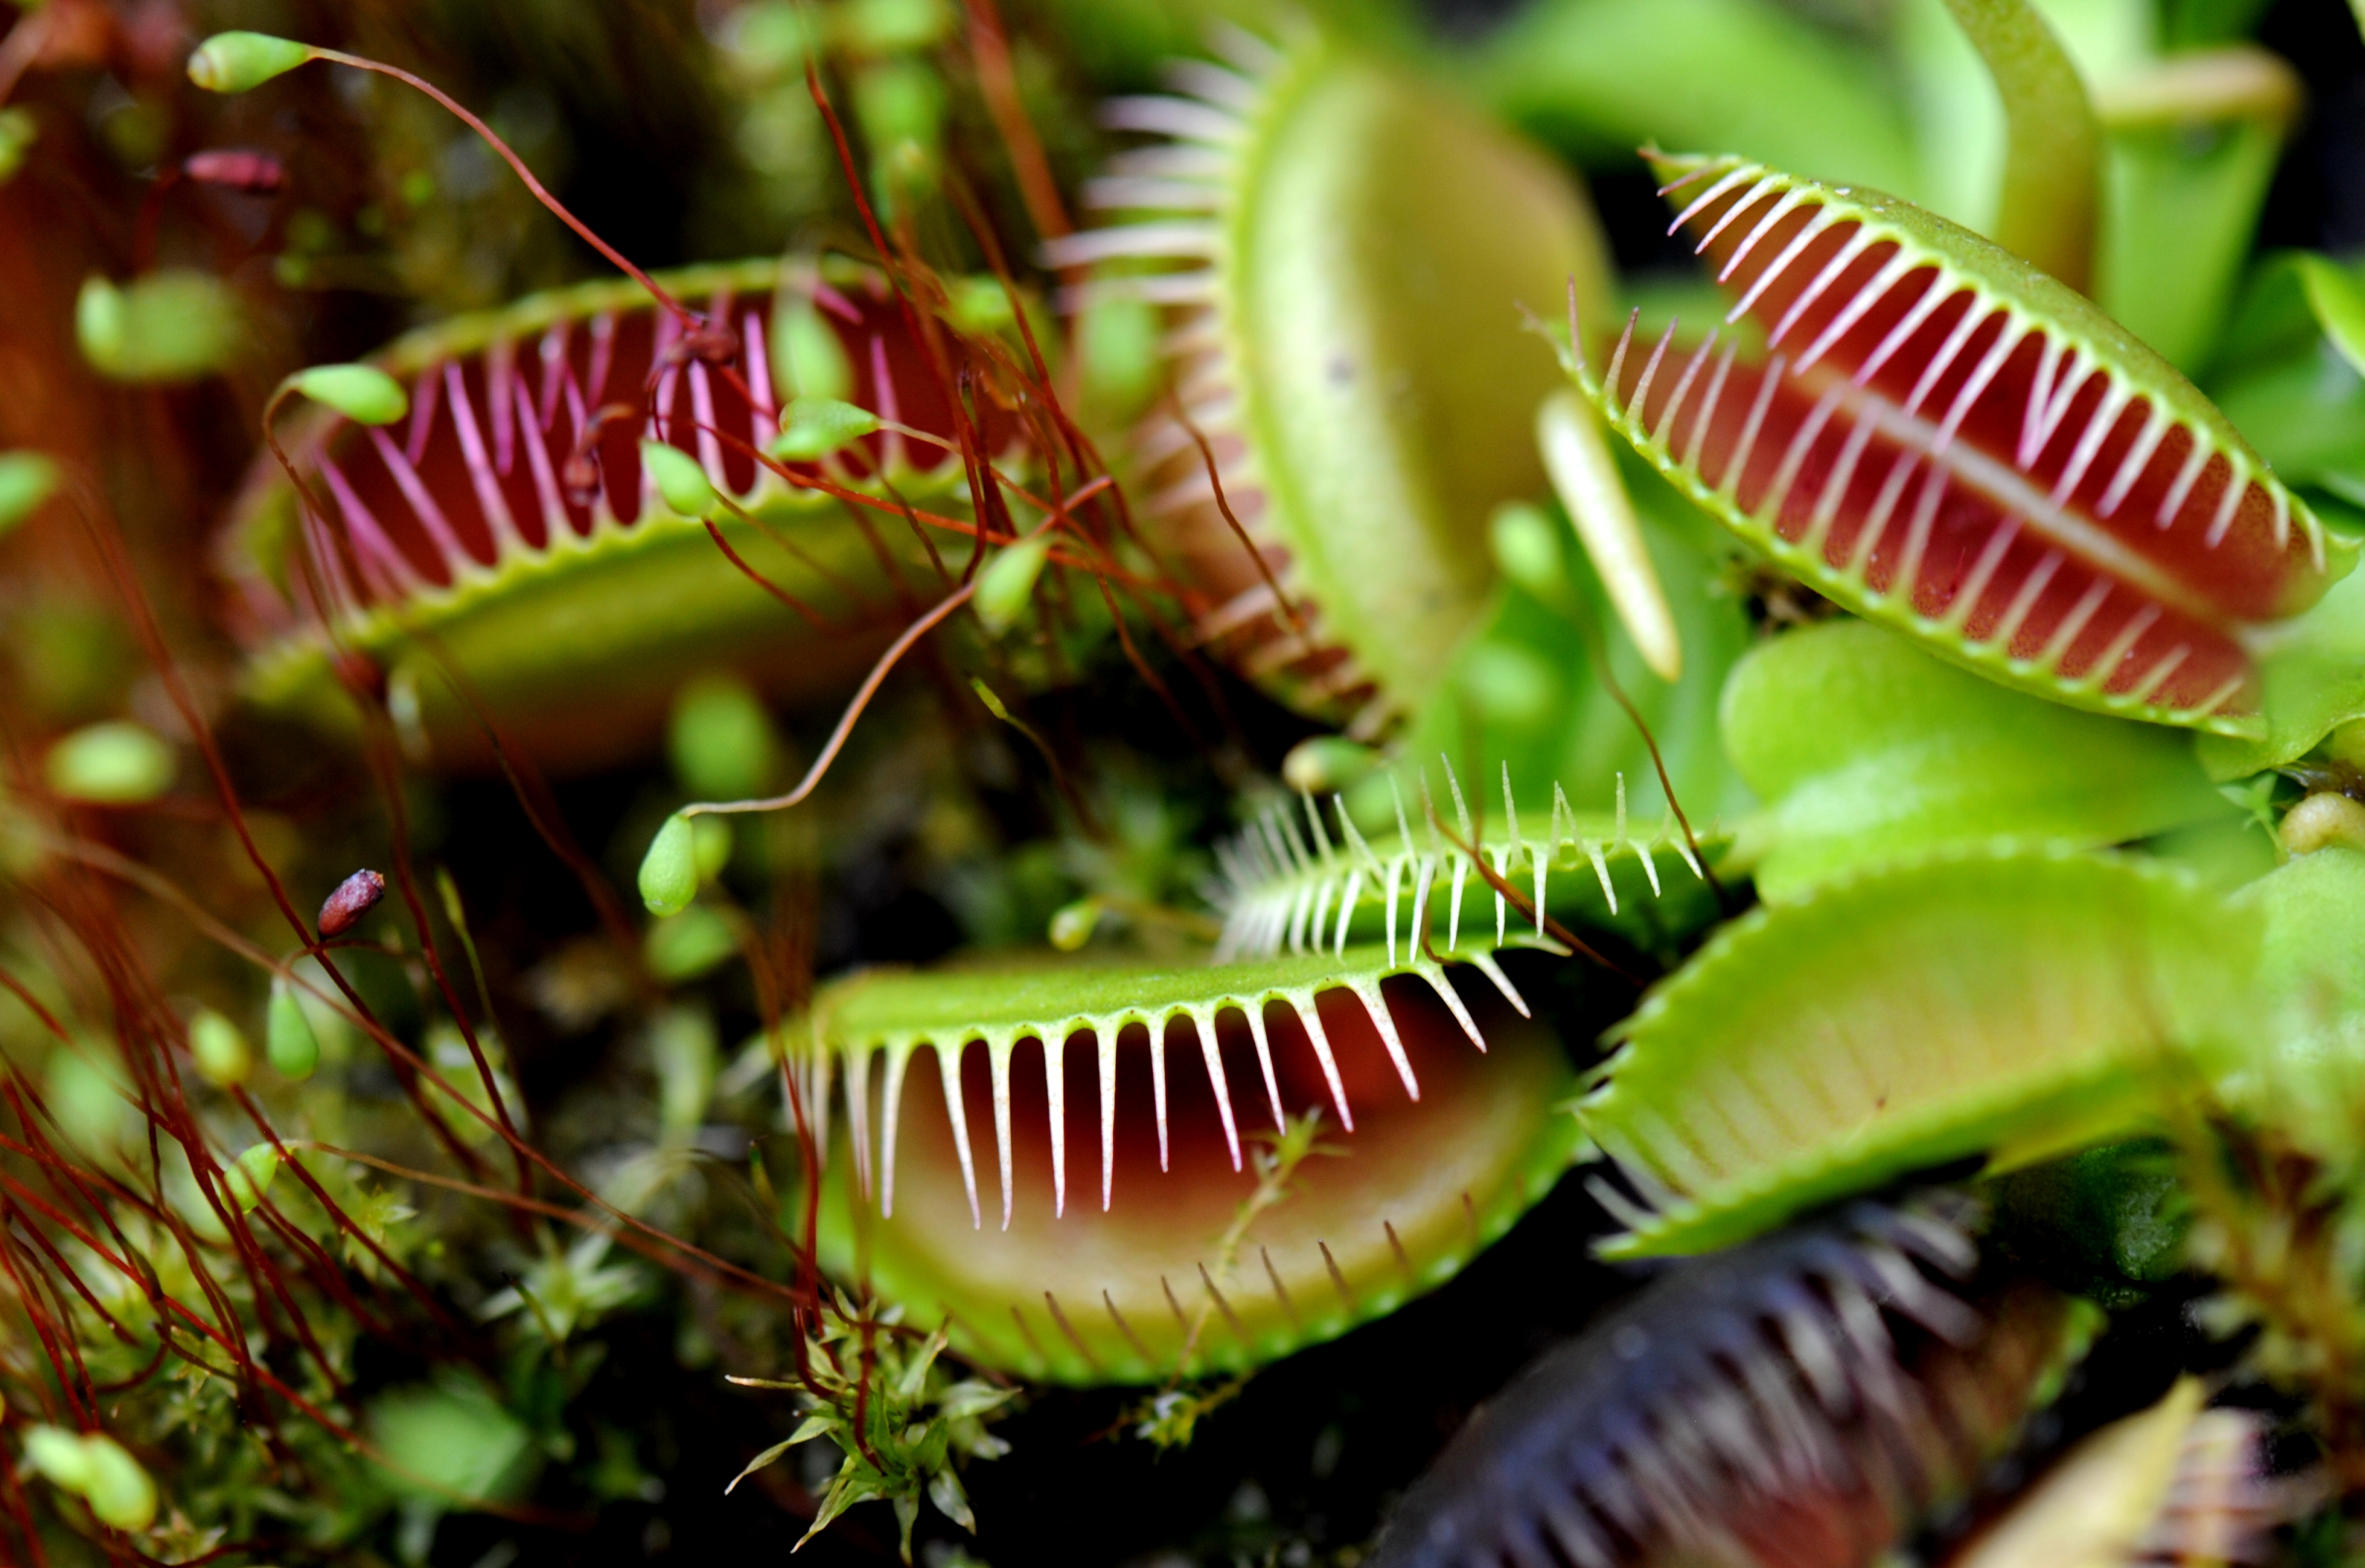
1104 1031
1278 892
1768 1372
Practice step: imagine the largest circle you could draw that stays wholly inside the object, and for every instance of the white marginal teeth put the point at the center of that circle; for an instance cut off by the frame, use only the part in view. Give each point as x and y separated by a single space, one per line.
1158 1082
1452 1000
997 1057
1486 965
1368 992
1106 1042
949 1069
857 1111
1204 1021
890 1109
1055 1088
817 1098
814 1079
1304 1003
1254 1012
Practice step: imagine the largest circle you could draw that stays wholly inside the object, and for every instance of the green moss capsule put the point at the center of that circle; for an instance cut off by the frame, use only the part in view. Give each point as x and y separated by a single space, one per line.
668 875
220 1049
363 393
241 62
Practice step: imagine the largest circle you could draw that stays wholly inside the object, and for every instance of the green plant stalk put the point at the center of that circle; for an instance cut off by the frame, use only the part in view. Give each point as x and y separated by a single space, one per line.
2053 150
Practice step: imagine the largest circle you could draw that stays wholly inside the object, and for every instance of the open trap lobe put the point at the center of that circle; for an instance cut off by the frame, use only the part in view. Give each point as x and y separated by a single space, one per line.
1159 1275
478 475
1975 453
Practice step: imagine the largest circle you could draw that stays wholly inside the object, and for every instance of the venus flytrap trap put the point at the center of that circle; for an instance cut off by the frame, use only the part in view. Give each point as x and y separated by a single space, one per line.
516 538
1944 440
1304 880
1906 755
1062 1287
2010 1005
2178 1480
1800 1398
1343 417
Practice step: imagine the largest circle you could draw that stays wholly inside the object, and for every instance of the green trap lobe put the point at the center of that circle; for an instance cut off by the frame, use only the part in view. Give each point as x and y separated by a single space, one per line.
1942 438
2012 1004
1194 1261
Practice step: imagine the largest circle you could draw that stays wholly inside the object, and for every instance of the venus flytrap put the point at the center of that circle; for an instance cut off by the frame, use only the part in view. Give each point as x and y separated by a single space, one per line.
505 547
1800 1398
1305 879
1949 442
2006 1004
1058 1286
2177 1477
1345 417
1900 753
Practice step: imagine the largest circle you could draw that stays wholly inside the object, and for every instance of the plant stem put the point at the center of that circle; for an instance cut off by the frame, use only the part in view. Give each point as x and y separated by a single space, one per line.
2053 143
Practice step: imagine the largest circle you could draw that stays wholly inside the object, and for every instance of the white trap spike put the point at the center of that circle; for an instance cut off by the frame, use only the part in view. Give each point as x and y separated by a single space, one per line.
997 1058
1055 1094
1252 1008
1104 1049
1303 1002
858 1114
890 1109
1204 1021
1486 965
1396 870
1157 1028
1376 1006
1347 908
1601 871
957 1112
816 1088
1435 975
1505 856
1453 915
